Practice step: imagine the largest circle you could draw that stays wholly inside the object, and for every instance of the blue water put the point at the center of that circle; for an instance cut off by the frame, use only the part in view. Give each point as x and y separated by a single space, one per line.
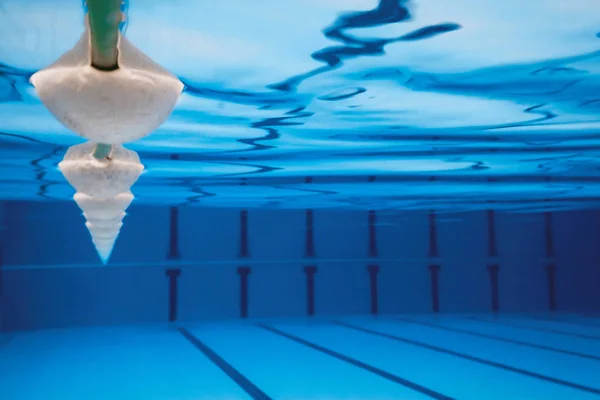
345 113
351 358
385 104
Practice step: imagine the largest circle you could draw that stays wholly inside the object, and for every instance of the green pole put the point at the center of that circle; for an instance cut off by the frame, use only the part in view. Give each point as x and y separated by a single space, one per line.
104 19
101 151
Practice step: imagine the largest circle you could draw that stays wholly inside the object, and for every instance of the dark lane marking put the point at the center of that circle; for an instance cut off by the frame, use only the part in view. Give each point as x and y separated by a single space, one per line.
551 283
244 272
533 328
244 251
372 234
472 358
548 230
493 270
356 363
310 272
309 239
500 339
491 226
173 274
243 382
373 270
550 268
433 244
588 324
173 253
434 271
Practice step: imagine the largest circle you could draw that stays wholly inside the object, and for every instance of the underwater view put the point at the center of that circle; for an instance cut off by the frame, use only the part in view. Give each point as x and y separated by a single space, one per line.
299 199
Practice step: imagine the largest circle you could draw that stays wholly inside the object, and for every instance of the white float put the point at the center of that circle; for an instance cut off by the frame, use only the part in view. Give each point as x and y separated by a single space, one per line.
110 107
103 190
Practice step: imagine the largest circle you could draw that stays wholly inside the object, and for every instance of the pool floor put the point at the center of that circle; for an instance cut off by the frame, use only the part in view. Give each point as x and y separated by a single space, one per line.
387 357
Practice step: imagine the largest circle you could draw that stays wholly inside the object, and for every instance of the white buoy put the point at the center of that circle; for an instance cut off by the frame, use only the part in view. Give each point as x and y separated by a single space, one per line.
103 190
120 103
110 107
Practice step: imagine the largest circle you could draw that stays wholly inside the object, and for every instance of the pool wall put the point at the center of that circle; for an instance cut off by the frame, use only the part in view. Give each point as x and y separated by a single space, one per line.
2 245
193 263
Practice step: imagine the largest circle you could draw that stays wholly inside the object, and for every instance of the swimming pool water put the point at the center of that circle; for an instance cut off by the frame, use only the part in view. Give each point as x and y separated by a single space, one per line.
418 357
358 104
353 160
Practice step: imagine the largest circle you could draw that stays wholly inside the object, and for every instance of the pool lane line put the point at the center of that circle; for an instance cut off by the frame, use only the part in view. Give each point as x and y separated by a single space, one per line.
243 382
588 324
534 328
468 357
500 339
384 374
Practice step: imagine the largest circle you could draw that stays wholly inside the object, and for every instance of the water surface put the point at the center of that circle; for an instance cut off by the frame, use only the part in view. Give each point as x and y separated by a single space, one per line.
386 104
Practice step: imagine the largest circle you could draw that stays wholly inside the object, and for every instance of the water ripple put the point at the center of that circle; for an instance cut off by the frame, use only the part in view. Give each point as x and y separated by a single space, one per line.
297 104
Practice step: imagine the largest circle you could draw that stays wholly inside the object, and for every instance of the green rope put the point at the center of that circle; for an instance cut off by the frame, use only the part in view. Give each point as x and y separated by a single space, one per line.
104 19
